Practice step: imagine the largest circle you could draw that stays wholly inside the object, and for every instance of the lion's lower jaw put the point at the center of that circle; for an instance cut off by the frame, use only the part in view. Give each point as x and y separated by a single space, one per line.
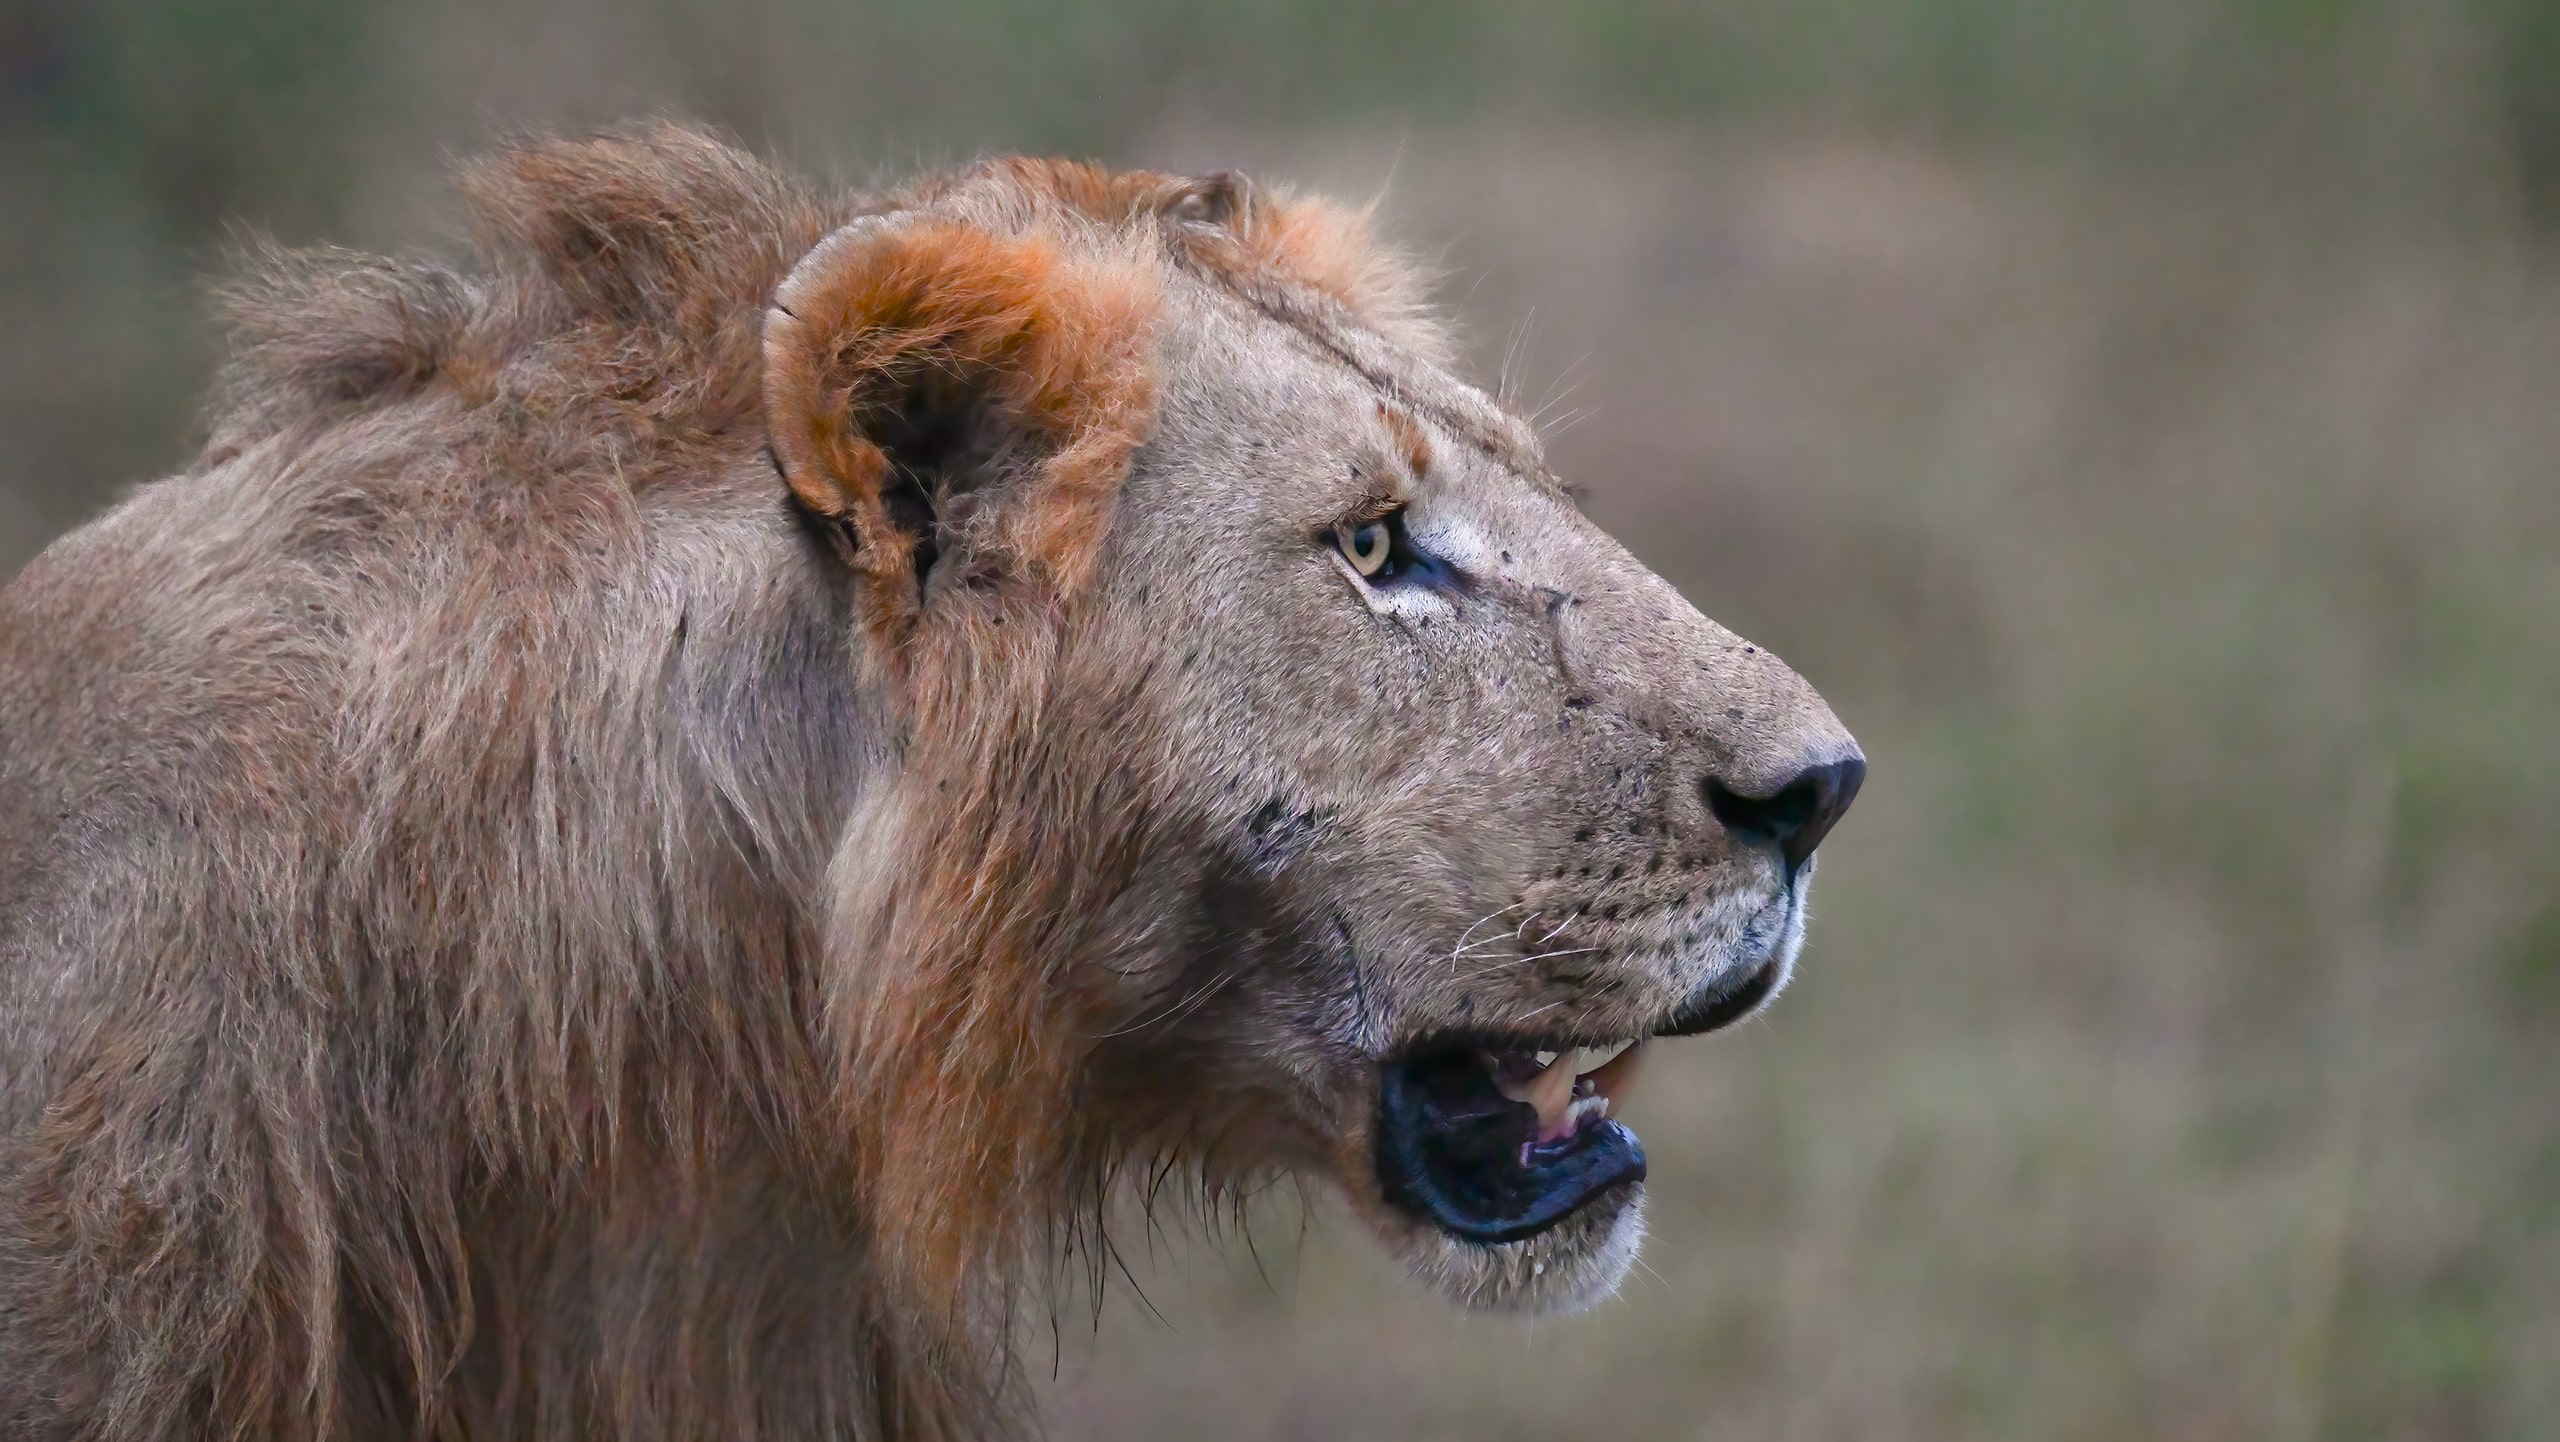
1574 1265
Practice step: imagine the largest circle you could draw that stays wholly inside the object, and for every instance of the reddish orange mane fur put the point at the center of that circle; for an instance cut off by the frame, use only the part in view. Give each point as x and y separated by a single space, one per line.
960 1028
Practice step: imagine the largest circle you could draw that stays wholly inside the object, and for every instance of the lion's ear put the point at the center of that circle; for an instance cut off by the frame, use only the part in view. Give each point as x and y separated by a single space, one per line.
955 396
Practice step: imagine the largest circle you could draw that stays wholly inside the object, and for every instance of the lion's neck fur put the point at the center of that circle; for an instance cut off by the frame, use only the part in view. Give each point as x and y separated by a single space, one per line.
511 1106
466 1066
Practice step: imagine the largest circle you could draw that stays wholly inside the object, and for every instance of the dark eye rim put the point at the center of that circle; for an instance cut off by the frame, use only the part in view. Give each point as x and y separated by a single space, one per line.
1406 563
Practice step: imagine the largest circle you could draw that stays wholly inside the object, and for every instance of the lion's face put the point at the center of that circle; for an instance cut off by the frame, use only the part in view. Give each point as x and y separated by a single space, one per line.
1483 806
1298 778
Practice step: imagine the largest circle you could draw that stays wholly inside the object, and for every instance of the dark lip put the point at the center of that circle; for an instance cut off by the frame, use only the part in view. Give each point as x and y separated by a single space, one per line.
1732 999
1454 1152
1503 1040
1721 1007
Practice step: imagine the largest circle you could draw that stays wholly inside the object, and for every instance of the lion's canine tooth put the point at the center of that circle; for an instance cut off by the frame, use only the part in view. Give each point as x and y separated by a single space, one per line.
1550 1094
1588 1059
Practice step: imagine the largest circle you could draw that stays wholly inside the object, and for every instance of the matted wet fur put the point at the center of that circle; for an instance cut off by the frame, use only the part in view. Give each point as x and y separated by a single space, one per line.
630 847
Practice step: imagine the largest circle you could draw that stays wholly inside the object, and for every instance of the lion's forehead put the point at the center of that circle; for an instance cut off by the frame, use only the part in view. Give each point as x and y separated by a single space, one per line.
1340 401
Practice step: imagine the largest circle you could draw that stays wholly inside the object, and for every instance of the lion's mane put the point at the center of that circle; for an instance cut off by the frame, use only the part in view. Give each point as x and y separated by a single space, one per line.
459 991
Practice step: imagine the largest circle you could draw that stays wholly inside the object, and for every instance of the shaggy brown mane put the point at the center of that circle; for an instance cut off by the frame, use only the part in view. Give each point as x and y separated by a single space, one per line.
630 269
636 265
600 983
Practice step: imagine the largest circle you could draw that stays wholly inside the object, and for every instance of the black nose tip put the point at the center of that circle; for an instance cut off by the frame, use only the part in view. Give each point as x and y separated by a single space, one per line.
1797 815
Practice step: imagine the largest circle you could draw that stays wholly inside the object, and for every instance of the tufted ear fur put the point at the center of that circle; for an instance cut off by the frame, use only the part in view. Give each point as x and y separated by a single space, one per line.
1234 225
962 402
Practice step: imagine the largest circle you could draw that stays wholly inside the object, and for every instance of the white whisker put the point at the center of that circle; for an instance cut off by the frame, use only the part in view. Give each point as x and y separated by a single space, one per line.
1512 935
1466 945
1481 920
1175 1012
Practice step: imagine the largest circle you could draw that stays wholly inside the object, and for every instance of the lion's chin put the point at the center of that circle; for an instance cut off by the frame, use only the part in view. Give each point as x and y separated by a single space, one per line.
1576 1263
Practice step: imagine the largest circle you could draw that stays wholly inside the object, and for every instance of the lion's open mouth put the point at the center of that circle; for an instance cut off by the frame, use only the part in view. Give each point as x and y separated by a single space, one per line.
1495 1145
1499 1140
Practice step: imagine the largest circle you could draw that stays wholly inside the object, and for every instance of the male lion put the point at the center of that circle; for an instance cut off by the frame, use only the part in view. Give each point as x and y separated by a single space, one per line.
640 836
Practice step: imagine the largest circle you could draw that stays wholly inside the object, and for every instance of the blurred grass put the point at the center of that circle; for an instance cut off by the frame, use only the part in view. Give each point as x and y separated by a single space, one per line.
2138 419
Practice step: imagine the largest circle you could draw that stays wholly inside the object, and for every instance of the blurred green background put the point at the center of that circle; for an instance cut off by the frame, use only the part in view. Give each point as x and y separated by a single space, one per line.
2142 420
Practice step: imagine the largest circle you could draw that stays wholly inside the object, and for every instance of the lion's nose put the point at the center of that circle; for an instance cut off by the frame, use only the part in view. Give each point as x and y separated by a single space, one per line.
1795 817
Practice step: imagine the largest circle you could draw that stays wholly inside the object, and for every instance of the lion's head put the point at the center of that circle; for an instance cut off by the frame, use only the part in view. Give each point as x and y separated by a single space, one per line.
1291 776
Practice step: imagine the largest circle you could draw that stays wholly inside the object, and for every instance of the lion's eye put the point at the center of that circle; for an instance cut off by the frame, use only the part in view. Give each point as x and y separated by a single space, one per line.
1367 546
